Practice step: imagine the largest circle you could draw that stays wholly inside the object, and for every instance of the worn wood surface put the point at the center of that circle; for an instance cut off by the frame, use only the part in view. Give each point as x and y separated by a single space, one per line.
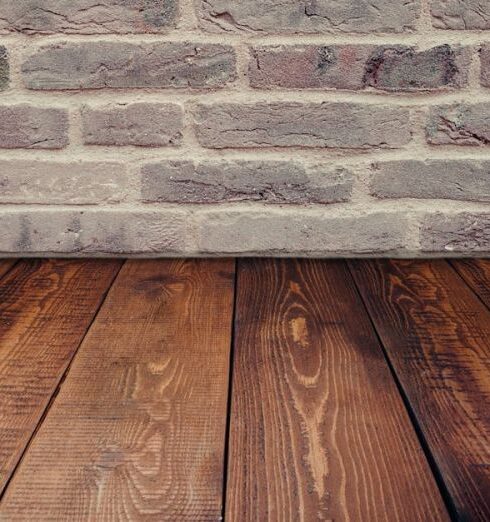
6 265
137 431
437 335
318 429
476 273
45 310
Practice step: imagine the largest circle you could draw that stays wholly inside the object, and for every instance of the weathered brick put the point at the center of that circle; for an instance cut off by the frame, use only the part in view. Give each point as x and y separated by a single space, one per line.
460 14
25 126
309 16
485 65
141 124
93 232
467 233
406 69
433 179
249 232
87 16
73 183
118 65
4 68
460 124
355 67
230 181
285 124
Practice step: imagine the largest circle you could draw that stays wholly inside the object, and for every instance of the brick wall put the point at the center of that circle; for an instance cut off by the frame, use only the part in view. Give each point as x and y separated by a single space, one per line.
270 127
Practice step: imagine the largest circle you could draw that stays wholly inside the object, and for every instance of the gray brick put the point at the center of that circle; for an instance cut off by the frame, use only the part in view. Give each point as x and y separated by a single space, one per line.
141 124
355 67
119 65
249 232
466 180
485 65
25 126
460 14
87 16
93 232
322 125
70 183
231 181
4 68
467 233
460 124
309 16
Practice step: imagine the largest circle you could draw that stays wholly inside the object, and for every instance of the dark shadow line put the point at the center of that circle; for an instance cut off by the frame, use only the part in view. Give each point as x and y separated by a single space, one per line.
467 284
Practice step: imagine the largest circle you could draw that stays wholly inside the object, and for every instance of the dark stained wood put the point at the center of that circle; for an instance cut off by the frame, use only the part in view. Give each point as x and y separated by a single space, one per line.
6 265
476 273
45 310
318 429
137 430
437 335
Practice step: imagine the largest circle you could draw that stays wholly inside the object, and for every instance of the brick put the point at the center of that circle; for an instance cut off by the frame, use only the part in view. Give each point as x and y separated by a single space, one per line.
231 181
485 65
4 68
460 124
467 233
356 67
309 16
466 180
141 124
25 126
298 233
71 183
93 232
87 16
460 14
406 69
120 65
285 124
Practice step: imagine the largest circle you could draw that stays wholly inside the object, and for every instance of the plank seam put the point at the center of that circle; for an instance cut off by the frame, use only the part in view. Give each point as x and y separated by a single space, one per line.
58 386
446 496
16 262
230 392
467 284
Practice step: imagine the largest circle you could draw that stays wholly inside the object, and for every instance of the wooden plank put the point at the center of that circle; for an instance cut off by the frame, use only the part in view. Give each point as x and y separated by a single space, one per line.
318 429
137 431
6 265
46 308
476 273
437 335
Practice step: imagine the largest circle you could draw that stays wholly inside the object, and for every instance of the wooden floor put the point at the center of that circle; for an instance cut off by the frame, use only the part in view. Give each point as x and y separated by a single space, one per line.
250 390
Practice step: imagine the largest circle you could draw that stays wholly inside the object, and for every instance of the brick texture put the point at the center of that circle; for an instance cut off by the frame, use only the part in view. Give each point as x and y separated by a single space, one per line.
325 125
309 16
118 65
253 127
87 16
141 124
28 127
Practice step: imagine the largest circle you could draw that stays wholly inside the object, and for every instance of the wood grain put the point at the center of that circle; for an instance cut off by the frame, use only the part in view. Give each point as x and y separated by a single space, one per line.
437 335
6 265
318 429
137 430
476 273
45 310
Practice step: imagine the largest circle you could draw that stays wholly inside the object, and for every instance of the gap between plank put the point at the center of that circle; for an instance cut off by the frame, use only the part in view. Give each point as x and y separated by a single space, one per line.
230 391
59 385
467 284
446 497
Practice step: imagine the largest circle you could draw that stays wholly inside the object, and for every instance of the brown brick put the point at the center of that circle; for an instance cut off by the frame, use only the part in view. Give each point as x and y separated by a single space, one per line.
322 125
281 182
142 124
311 16
120 65
460 124
25 126
87 16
